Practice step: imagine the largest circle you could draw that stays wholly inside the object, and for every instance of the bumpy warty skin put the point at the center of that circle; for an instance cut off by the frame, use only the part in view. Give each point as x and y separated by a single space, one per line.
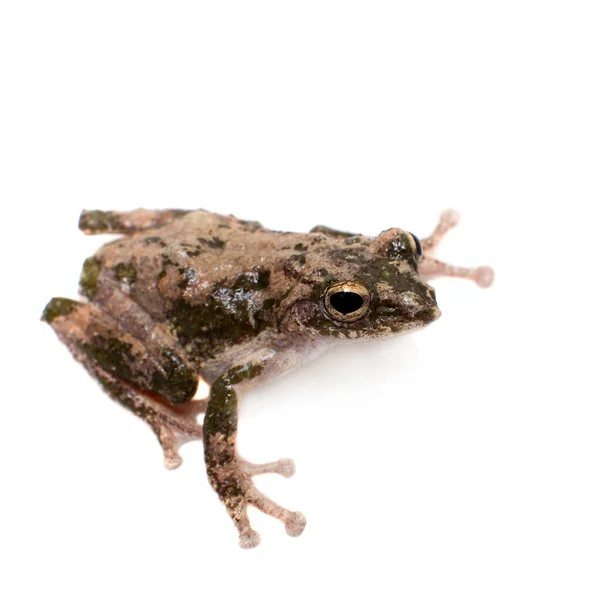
190 295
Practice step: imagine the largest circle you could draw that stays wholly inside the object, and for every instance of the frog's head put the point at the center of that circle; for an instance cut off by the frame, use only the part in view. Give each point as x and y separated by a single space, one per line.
363 288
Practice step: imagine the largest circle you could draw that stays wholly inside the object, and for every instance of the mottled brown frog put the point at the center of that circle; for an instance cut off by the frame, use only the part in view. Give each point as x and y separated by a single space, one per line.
186 296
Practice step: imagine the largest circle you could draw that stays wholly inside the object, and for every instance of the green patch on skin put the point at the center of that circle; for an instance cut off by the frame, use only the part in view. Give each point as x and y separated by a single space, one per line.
300 247
270 303
344 255
380 270
112 354
222 411
326 327
251 226
213 242
99 221
228 316
175 381
126 272
165 263
88 282
247 371
257 279
293 266
352 240
58 307
154 239
331 232
119 392
192 252
111 388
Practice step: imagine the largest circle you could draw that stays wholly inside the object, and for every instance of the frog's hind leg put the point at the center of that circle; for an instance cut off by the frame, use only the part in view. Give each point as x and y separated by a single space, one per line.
95 222
171 430
112 357
432 267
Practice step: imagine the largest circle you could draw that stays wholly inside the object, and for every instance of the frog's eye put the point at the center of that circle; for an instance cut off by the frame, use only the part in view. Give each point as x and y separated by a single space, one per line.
347 302
419 248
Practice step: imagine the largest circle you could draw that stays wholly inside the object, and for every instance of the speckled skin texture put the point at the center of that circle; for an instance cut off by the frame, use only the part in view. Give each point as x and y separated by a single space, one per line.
185 295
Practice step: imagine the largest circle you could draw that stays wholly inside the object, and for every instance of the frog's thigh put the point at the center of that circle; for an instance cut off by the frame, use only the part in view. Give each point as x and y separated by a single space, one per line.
123 367
231 476
162 366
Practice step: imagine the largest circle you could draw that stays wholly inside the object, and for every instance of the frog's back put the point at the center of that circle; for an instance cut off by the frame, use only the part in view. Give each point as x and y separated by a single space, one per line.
205 277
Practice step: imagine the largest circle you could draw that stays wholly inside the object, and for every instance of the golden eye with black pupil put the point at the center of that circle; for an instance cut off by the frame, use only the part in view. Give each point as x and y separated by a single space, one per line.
347 302
417 244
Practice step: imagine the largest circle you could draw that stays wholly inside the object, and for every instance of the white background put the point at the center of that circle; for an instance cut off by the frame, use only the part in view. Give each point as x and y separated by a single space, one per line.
461 462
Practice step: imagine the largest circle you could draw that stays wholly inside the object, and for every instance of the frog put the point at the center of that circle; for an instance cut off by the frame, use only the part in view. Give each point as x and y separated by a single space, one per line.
190 296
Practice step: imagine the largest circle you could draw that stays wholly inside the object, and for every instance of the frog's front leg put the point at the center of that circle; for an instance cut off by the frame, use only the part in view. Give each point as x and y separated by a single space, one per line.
230 475
432 267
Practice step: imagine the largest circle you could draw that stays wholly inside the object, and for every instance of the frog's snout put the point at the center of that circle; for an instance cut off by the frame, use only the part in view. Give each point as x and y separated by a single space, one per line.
419 303
415 303
431 300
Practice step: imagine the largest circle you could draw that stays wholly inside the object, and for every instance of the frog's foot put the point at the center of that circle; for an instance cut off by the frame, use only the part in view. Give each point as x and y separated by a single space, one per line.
432 267
177 427
172 428
231 477
172 432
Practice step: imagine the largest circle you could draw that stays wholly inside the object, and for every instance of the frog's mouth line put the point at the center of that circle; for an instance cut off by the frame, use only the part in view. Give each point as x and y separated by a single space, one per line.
398 319
427 314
